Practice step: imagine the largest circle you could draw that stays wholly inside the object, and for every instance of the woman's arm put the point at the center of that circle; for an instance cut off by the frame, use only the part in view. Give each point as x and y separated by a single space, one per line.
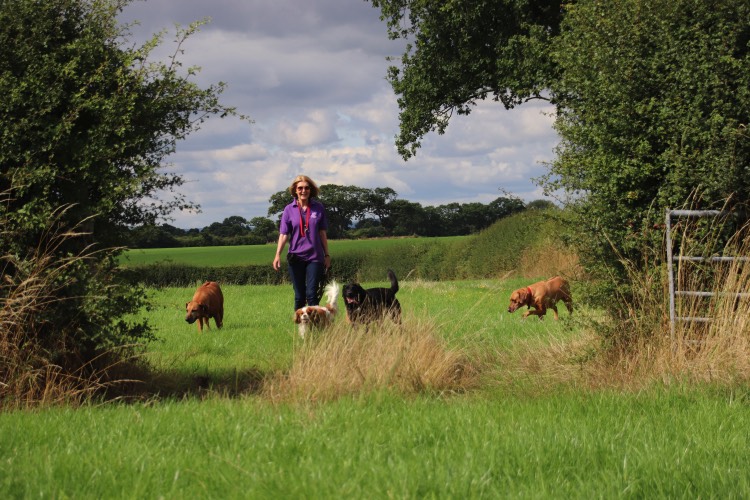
283 238
324 241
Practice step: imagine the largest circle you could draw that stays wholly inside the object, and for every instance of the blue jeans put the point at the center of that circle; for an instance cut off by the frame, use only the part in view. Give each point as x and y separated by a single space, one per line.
306 278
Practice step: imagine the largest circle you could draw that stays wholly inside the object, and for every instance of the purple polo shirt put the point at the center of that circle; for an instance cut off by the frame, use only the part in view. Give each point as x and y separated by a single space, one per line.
308 246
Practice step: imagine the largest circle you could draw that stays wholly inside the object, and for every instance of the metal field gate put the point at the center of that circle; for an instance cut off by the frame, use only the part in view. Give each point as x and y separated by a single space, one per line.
673 291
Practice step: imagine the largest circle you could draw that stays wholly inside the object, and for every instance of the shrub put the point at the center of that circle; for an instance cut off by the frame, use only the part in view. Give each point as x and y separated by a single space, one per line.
61 326
640 343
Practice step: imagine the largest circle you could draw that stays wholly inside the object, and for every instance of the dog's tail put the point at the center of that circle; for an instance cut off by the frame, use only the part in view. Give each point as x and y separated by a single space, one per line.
394 281
332 294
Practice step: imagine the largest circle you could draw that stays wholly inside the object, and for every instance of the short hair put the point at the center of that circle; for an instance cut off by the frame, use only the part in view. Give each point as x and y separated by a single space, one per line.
314 190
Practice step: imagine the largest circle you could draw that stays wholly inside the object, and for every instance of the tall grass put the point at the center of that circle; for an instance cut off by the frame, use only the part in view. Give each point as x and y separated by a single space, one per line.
451 339
643 348
410 358
30 287
572 444
720 348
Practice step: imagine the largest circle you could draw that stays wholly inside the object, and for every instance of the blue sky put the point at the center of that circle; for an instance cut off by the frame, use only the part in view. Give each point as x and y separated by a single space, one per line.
311 74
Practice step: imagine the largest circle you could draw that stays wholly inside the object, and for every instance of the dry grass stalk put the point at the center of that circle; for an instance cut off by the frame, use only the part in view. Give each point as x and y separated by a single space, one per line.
720 349
28 377
717 351
344 360
547 260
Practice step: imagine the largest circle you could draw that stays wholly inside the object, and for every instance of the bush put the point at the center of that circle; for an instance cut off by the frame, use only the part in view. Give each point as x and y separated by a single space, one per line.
61 327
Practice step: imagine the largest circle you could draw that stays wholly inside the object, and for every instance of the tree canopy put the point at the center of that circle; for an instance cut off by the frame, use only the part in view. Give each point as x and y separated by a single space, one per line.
652 98
463 51
652 110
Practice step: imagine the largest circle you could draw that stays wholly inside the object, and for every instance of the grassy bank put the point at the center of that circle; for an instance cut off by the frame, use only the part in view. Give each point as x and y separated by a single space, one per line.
529 244
241 255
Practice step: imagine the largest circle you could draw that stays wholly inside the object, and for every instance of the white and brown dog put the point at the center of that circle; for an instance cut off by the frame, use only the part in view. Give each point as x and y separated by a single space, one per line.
318 316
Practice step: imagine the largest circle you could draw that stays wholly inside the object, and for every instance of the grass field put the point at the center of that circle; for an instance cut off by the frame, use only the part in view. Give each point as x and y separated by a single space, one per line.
214 433
254 254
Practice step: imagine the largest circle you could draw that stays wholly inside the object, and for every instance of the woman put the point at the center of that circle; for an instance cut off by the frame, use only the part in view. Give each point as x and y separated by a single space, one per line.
304 225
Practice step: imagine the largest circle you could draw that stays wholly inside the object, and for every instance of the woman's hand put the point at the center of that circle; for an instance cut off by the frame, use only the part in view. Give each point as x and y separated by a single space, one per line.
279 247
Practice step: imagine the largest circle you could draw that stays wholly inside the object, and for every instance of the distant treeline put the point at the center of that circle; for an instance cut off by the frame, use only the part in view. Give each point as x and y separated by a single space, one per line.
353 212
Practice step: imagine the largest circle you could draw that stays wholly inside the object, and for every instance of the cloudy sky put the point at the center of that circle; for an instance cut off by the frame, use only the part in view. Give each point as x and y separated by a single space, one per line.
311 74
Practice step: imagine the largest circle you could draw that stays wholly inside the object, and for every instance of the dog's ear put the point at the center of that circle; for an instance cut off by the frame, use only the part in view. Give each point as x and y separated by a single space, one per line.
204 308
187 304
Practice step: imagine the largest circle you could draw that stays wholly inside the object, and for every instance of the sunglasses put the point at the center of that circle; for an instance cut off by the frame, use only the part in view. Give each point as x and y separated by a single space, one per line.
303 188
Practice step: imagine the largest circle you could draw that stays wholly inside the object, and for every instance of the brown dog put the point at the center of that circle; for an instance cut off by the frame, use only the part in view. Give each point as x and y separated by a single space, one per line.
208 302
542 295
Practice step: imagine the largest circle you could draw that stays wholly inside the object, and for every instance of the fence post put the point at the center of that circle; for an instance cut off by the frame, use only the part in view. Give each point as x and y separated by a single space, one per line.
671 276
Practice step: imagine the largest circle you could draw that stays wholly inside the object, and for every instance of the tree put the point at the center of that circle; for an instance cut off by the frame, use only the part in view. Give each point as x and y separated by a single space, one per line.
541 205
464 51
504 207
264 229
652 100
152 236
343 205
232 226
87 121
405 218
278 201
377 201
654 106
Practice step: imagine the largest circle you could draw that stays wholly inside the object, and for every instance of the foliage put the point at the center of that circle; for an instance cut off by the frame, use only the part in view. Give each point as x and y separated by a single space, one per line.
62 326
652 100
465 51
86 122
653 107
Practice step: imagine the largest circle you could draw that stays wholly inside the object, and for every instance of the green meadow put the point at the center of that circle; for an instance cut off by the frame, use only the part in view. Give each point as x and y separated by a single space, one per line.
256 254
208 427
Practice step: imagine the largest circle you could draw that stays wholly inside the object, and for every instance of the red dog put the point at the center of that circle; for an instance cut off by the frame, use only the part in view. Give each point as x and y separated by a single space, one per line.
208 302
542 295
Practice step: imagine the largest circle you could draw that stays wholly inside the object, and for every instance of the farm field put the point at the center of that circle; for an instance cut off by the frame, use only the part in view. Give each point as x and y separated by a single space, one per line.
213 433
254 254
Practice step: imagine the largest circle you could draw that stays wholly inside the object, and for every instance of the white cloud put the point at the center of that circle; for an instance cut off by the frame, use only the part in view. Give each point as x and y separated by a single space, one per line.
312 77
317 128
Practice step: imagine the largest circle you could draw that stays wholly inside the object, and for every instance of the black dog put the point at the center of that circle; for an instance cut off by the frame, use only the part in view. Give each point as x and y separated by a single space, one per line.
373 304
